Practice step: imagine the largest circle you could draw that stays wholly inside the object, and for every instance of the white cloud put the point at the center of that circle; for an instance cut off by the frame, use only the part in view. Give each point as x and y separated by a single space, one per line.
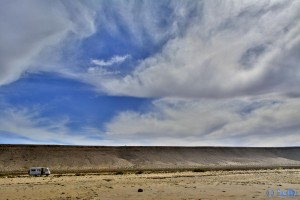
271 121
231 48
220 57
28 125
145 21
30 28
238 122
211 49
114 60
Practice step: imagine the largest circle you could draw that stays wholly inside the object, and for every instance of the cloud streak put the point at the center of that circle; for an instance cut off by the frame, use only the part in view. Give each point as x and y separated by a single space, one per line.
230 49
31 29
221 72
28 124
114 60
246 122
208 49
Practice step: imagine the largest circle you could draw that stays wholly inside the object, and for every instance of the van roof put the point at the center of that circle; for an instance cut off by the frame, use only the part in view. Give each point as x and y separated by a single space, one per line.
38 167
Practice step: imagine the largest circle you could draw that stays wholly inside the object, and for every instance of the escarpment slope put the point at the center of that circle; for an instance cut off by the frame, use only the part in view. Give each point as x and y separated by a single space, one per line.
18 158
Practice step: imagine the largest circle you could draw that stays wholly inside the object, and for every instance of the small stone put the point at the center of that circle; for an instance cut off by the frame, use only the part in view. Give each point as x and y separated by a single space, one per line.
140 190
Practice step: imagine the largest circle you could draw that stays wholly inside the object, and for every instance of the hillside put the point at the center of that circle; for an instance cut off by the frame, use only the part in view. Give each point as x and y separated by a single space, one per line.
18 158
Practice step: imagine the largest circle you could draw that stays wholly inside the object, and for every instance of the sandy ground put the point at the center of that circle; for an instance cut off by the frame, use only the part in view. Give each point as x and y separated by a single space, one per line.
251 184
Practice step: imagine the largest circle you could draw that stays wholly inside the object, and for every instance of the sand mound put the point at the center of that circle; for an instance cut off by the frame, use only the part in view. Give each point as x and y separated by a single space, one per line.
18 158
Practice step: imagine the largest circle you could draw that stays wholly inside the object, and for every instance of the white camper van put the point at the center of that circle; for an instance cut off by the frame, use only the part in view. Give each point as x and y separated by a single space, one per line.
39 171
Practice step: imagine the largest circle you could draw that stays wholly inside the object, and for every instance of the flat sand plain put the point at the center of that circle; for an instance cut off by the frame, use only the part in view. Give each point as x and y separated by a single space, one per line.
244 184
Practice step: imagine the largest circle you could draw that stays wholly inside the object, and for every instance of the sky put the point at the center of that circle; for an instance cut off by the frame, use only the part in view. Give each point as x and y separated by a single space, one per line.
165 73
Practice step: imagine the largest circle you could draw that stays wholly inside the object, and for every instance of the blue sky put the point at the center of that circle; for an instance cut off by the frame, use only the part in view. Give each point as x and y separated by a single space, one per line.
190 73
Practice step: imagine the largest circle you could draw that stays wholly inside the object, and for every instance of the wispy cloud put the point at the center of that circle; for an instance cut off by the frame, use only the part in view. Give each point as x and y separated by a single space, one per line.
100 67
223 72
202 44
30 126
114 60
230 49
237 122
144 22
34 32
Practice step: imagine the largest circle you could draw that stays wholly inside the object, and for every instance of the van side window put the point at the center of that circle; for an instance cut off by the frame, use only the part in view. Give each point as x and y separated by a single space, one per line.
33 170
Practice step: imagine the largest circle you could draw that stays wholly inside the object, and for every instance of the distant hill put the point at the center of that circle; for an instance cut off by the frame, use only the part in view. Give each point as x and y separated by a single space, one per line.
18 158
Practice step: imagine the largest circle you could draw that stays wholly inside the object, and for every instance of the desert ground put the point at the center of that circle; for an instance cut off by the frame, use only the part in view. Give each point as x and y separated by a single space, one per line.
101 172
237 184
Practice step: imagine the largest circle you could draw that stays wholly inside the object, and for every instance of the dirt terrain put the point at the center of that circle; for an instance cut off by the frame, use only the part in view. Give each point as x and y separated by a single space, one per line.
95 172
246 184
67 159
